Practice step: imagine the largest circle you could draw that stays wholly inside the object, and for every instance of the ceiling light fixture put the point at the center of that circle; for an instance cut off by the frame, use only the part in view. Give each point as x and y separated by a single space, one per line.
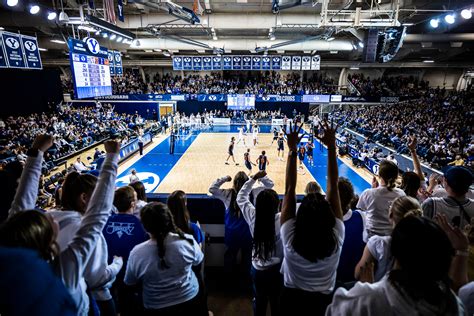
52 15
428 61
361 45
34 9
112 37
330 39
57 41
450 18
434 23
12 3
466 14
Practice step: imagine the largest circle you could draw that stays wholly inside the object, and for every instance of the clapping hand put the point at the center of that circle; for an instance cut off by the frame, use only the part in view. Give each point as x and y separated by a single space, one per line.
293 138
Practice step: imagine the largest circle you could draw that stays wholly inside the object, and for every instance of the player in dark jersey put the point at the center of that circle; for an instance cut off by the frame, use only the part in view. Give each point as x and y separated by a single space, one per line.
230 151
262 161
309 152
301 154
281 146
247 161
275 135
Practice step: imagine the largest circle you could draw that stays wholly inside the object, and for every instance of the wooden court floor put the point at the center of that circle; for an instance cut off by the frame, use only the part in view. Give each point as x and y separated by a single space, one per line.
203 163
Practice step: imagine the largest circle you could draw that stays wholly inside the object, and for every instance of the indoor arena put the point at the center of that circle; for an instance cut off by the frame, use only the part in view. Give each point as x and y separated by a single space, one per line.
236 157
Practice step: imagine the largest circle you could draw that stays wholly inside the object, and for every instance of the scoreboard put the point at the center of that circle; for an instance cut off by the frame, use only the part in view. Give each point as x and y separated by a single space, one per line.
240 102
90 68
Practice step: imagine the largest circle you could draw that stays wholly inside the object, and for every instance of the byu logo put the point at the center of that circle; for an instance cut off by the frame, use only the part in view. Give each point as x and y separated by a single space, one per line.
297 59
276 59
246 59
93 45
286 59
12 43
207 59
212 98
375 169
305 59
118 58
237 59
120 8
256 59
178 59
266 59
227 59
31 46
197 60
111 57
150 180
187 60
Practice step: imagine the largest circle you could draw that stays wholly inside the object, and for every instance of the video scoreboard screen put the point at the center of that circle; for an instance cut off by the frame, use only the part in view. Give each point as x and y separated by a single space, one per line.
90 68
240 102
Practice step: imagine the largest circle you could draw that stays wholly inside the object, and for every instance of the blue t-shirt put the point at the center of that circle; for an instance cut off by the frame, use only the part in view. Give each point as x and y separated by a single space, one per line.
123 232
196 232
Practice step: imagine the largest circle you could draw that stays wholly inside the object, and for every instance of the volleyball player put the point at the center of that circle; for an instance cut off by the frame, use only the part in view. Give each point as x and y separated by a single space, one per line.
248 162
241 135
248 126
301 154
262 161
230 151
281 146
255 135
309 152
275 135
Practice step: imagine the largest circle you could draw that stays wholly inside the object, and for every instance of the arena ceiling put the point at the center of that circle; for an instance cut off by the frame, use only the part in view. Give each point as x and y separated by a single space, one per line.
240 26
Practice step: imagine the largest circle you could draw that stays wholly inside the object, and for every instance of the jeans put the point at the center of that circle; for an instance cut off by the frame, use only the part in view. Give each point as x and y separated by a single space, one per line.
267 286
302 303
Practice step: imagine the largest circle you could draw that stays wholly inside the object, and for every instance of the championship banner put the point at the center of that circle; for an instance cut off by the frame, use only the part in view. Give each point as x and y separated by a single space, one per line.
286 63
276 62
177 63
3 60
187 63
217 63
256 62
13 50
227 64
247 62
110 57
197 63
316 62
316 98
236 62
120 10
266 63
32 54
207 63
118 63
306 63
296 63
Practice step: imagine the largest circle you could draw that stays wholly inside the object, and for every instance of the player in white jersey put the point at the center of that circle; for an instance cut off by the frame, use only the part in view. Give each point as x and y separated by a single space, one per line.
248 126
241 135
255 135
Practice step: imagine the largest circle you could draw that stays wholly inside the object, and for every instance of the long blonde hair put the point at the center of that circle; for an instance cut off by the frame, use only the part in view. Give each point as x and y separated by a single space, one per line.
404 206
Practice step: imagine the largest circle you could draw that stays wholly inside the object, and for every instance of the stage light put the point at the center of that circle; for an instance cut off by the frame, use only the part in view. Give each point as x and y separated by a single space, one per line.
361 45
12 3
450 18
428 61
57 41
97 33
466 14
34 9
434 23
167 54
112 37
119 39
51 15
105 35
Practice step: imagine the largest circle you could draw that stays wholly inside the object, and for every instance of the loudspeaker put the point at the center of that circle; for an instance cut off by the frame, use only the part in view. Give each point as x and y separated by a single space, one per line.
370 47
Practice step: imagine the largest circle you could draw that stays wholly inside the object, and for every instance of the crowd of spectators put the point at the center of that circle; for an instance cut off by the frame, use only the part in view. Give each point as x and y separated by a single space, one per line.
388 86
72 128
443 123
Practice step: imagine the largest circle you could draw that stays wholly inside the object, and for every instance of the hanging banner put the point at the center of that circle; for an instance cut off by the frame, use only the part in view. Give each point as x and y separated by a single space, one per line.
306 63
296 63
256 62
247 62
120 10
276 62
118 63
236 62
316 62
207 63
13 50
110 57
177 63
286 63
217 63
227 65
212 97
266 63
187 63
197 63
3 60
32 54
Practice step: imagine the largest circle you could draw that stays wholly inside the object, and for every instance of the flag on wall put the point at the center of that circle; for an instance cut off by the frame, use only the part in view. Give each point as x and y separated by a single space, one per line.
120 10
109 11
197 7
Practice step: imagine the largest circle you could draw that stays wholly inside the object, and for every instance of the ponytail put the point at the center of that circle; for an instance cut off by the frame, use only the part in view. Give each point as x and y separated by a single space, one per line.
388 171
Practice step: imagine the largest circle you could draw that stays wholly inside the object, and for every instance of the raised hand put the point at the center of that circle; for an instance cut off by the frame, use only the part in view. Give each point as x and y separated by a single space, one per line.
228 178
259 175
293 138
329 134
375 183
43 142
112 147
412 143
457 237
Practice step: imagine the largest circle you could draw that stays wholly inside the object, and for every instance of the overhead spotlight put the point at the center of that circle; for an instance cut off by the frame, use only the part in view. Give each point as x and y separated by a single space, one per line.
34 9
354 47
434 23
466 14
330 39
119 39
167 54
450 18
112 37
12 3
428 61
105 35
1 28
157 50
272 37
63 17
361 45
42 49
57 41
52 15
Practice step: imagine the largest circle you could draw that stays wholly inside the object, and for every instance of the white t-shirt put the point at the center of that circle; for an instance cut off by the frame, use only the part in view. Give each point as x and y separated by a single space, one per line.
379 248
449 207
302 274
165 287
376 203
